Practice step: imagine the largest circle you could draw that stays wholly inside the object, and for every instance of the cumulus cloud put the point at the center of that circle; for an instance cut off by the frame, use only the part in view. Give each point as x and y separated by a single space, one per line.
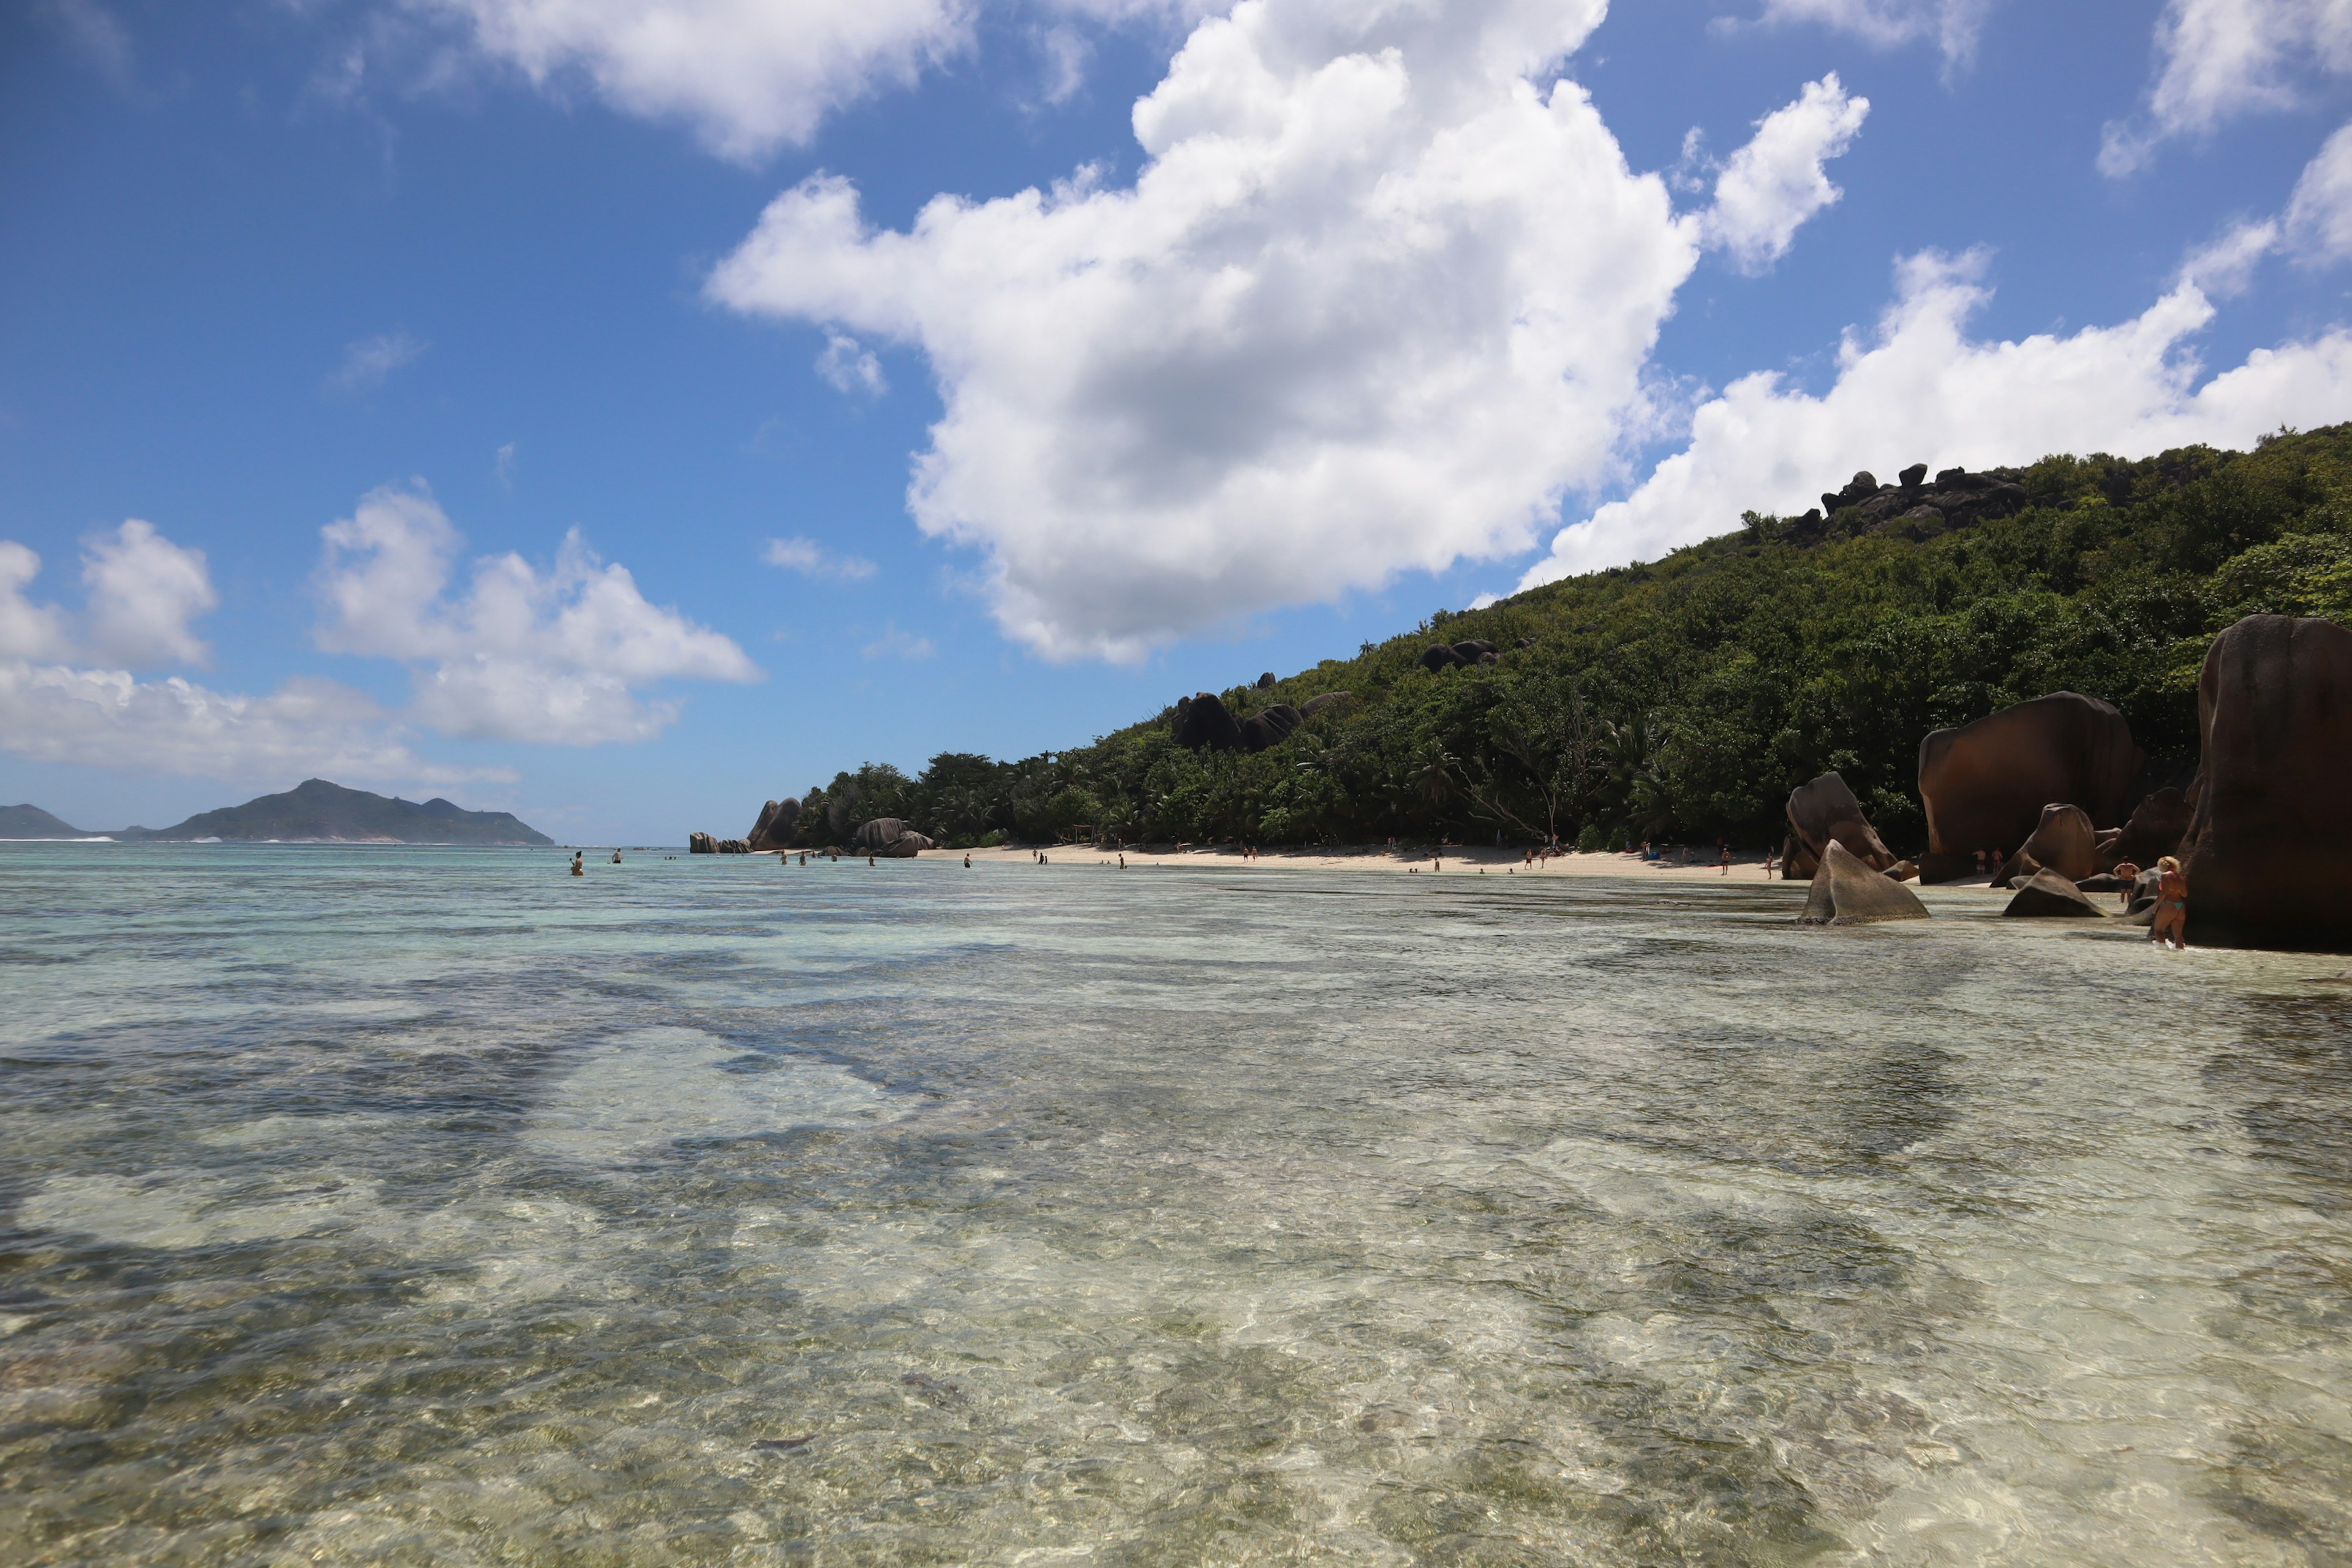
2220 59
751 76
850 367
1923 389
2319 216
27 630
110 718
1952 25
810 559
1375 302
367 362
143 591
748 75
1774 183
520 655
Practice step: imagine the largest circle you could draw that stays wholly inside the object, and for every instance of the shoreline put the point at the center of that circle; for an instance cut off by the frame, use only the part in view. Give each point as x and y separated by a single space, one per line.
1458 860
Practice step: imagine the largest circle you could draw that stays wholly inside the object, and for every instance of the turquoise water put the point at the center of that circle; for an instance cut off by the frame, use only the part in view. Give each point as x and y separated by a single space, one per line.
432 1206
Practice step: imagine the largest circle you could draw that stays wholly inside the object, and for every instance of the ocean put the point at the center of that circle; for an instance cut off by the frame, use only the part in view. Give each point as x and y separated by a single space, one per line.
404 1205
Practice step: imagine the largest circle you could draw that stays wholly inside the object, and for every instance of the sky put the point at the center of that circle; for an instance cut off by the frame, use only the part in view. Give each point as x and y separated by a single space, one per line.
623 412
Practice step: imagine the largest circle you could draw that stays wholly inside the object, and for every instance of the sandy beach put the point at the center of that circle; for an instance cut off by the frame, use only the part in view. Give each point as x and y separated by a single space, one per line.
1403 860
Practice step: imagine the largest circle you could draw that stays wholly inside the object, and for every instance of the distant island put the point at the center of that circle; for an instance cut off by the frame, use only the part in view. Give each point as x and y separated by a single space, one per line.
315 811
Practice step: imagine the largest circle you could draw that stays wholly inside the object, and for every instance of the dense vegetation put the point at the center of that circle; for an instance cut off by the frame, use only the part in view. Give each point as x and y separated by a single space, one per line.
1684 697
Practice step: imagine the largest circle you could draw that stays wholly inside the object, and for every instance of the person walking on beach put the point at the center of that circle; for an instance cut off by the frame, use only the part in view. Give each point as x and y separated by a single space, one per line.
2170 926
1724 845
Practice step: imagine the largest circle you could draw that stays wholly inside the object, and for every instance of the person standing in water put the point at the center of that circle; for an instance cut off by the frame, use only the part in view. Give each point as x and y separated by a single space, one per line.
2170 926
577 869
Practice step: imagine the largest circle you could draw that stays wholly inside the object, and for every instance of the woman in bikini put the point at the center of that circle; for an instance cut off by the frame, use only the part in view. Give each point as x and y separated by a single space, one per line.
2172 923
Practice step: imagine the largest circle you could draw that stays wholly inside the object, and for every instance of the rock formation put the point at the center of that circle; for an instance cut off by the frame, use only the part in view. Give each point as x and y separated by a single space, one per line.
1437 655
1203 722
1266 682
774 830
1847 892
2269 853
701 844
1825 811
733 847
1984 783
2157 825
2047 893
891 838
1915 507
2062 841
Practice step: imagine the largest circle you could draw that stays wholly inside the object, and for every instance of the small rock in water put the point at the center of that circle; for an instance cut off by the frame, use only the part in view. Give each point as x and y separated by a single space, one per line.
2047 893
935 1390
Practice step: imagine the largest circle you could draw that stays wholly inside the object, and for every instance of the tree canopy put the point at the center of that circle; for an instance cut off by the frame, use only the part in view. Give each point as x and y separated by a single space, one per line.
1684 697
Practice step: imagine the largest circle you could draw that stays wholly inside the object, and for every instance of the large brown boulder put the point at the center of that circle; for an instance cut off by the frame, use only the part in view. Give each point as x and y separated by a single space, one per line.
2269 854
1848 893
701 844
891 838
2046 893
1984 783
2158 823
2063 841
1823 811
773 829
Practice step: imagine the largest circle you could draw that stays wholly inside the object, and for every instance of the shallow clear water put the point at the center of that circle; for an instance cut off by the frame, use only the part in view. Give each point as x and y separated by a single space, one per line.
418 1206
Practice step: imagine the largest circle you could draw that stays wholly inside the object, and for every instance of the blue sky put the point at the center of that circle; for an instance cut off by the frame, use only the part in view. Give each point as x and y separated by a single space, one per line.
520 401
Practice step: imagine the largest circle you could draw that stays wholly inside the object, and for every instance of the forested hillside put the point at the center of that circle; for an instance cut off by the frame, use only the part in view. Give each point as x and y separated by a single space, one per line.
1685 696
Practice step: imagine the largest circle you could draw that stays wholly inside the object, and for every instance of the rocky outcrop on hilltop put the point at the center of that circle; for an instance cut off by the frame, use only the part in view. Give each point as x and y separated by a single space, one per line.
1915 506
1203 722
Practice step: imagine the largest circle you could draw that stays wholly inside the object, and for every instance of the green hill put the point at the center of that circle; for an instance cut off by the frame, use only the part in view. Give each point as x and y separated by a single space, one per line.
32 822
317 810
1685 696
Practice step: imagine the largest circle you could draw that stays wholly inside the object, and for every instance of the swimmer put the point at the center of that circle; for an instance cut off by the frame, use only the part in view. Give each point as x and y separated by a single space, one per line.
2170 927
616 857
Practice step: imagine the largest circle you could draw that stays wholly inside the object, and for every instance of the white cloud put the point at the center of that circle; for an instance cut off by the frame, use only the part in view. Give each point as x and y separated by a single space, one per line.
27 630
1374 304
143 591
1953 24
2222 59
505 466
811 559
2319 215
1923 391
748 75
1775 182
110 718
2223 268
895 644
850 367
368 362
522 656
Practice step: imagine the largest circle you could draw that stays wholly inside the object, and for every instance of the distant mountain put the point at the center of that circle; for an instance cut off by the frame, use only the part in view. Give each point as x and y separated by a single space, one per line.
317 810
32 822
